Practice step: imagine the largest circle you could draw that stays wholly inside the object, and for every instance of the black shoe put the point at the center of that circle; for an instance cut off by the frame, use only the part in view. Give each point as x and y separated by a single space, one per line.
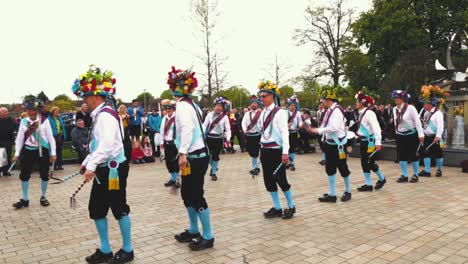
289 213
22 203
346 196
323 162
7 174
258 170
423 173
402 179
288 166
214 177
169 183
414 179
59 168
177 185
327 199
292 168
186 237
44 201
272 213
365 188
439 173
380 184
201 244
122 257
99 257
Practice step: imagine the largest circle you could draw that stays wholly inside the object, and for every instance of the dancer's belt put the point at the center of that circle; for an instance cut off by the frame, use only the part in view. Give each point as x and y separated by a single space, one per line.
169 142
406 133
292 131
252 134
270 145
211 135
198 154
332 142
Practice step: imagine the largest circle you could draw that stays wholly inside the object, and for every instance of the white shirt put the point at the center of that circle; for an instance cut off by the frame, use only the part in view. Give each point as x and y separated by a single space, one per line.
45 131
336 123
296 123
222 127
437 119
169 136
410 119
107 135
248 119
370 122
186 123
279 123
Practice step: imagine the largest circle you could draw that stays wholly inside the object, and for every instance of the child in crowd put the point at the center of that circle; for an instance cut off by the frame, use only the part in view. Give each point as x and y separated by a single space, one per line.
148 150
138 156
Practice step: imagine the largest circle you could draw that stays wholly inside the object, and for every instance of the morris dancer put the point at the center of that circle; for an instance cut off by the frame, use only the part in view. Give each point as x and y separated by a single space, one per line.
275 149
370 136
409 134
35 144
193 159
252 132
105 162
215 125
294 123
433 124
167 142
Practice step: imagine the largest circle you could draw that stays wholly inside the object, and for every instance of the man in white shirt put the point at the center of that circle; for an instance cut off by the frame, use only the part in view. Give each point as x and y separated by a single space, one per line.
294 123
409 134
432 121
370 137
167 143
34 144
333 128
193 159
216 125
274 150
107 164
252 132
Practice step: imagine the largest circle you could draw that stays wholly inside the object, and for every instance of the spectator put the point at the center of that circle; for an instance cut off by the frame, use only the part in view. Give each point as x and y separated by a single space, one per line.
124 116
45 111
7 137
138 156
148 150
304 143
84 115
154 123
79 137
135 113
237 132
60 134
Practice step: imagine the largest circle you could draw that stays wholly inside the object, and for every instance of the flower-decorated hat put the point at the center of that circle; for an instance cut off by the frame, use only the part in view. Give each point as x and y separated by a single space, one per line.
433 95
222 101
182 83
94 82
166 103
254 99
364 99
405 96
33 104
329 93
270 87
293 100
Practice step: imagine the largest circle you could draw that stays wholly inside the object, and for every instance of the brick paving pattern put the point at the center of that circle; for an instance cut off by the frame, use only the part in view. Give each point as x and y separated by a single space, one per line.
425 222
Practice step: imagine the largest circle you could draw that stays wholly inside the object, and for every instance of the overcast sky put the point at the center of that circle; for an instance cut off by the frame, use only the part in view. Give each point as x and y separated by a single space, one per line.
46 44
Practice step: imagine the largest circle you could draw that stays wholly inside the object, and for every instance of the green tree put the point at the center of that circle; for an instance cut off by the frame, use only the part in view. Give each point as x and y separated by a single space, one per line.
62 97
64 105
43 97
285 92
145 97
358 69
29 97
310 92
238 95
167 94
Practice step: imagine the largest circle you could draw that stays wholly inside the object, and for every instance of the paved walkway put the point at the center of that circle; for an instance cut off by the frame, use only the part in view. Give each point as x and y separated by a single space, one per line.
425 222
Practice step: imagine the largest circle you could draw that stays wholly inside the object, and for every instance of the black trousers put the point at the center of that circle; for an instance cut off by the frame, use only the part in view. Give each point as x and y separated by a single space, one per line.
240 138
407 145
156 149
253 145
102 198
304 140
367 164
322 145
134 131
58 150
271 159
215 145
334 162
29 158
9 150
293 141
170 154
81 154
192 185
435 151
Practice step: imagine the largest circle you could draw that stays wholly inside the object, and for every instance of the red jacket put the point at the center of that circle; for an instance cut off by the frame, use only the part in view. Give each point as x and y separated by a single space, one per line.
137 154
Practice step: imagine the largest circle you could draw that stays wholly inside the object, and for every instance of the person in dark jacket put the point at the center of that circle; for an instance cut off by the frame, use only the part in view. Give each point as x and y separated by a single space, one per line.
84 115
60 134
7 129
79 137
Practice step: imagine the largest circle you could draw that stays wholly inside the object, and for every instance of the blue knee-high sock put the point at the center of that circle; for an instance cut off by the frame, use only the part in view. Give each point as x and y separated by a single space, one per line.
25 190
254 162
292 156
103 232
404 168
427 164
440 163
347 181
214 166
174 176
289 198
367 175
125 229
332 185
206 225
323 156
276 200
193 218
44 187
380 175
415 167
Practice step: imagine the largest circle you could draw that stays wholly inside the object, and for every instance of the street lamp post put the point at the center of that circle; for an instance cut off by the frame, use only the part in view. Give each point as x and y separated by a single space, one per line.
144 97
